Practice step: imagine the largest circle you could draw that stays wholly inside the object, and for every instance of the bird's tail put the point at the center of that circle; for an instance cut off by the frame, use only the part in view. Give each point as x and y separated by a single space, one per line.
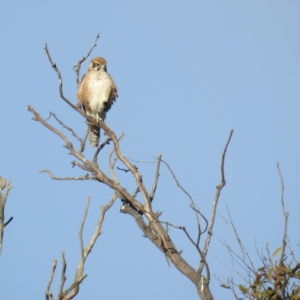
94 135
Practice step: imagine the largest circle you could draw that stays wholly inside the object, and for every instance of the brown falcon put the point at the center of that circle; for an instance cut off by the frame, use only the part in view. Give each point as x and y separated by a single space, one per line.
96 94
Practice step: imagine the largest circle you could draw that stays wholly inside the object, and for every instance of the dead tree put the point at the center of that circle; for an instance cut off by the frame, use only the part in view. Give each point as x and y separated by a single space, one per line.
147 220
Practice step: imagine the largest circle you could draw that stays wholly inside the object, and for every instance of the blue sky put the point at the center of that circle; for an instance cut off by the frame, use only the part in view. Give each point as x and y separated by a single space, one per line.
187 73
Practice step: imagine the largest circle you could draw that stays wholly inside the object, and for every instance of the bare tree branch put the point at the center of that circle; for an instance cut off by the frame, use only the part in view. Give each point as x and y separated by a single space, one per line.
66 127
59 77
112 164
82 144
85 177
8 221
214 208
99 148
81 227
125 170
156 178
135 192
77 67
63 273
285 215
194 243
177 182
73 289
3 198
191 199
205 220
238 239
48 293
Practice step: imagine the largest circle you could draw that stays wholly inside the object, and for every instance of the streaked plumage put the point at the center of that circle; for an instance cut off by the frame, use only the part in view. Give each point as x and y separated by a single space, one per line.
96 94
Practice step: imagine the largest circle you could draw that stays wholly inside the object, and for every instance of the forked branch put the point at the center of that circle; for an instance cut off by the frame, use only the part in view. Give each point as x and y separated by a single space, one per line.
73 289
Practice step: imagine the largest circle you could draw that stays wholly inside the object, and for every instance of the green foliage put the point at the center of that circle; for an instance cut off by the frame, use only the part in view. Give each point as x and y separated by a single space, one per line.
275 281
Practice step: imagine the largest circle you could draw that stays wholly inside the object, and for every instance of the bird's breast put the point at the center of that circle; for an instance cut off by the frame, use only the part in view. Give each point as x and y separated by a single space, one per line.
99 91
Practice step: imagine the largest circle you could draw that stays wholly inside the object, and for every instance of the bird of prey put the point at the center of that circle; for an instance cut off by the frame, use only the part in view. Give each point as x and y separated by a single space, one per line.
96 94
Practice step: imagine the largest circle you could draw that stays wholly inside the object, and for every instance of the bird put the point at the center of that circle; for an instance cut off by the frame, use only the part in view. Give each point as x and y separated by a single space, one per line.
95 95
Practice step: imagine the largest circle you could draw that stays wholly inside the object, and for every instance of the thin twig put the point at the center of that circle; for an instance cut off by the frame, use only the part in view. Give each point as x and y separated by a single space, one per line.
189 196
177 181
59 77
99 148
8 221
48 293
63 274
285 215
66 127
85 177
205 220
232 268
238 239
233 291
143 161
269 255
77 67
214 207
97 231
124 170
258 254
82 226
135 192
73 289
193 242
112 164
83 141
156 178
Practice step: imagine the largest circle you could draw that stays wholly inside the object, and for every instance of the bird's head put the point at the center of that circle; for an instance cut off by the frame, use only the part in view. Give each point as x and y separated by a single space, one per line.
97 64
